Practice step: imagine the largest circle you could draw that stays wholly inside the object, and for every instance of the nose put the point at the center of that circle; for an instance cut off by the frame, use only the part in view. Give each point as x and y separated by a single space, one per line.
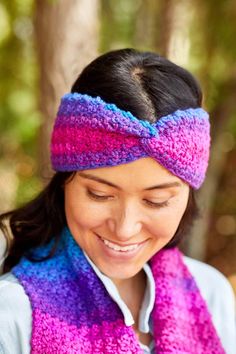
125 223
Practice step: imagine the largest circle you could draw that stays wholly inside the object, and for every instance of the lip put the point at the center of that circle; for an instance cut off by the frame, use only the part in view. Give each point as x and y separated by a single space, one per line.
119 244
119 255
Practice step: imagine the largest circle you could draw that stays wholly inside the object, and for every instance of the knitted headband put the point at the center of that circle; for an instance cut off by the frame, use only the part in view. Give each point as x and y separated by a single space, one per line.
90 133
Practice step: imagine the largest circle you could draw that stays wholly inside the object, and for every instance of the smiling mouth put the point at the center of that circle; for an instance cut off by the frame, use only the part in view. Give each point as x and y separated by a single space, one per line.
116 247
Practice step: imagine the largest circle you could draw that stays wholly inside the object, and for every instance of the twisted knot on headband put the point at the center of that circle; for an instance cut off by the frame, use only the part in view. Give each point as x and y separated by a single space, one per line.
90 133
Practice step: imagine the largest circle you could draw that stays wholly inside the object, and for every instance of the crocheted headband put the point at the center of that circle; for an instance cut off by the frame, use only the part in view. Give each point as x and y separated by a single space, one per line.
90 133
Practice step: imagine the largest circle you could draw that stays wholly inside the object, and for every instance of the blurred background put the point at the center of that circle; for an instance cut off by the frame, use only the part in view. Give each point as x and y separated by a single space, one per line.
45 44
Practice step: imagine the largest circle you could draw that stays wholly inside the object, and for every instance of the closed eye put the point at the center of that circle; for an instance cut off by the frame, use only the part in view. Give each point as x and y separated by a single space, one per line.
98 197
107 197
157 205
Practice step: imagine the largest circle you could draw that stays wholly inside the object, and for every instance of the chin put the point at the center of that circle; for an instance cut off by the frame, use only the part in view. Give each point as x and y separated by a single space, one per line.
120 274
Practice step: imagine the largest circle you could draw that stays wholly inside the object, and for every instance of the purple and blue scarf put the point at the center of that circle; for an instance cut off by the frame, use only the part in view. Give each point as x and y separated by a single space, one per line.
73 313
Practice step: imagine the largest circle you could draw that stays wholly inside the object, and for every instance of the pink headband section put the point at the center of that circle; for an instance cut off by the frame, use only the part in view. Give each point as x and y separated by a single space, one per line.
90 133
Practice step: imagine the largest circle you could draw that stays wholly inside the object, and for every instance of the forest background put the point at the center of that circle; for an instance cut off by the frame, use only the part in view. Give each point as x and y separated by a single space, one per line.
44 45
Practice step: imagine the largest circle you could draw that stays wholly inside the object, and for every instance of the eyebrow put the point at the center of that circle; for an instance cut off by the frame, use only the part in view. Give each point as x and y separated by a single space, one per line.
103 181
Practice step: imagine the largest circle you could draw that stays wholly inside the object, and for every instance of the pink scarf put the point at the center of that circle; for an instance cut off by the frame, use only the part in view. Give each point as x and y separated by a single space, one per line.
73 313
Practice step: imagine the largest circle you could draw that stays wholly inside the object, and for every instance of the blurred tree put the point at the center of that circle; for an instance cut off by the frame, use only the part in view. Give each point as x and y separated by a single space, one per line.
66 40
219 77
213 49
19 119
118 23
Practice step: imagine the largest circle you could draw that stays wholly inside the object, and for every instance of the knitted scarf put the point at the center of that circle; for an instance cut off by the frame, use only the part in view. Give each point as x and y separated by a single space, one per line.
73 313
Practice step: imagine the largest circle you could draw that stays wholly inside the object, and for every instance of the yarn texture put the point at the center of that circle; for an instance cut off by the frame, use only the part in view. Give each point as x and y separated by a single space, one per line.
90 133
73 313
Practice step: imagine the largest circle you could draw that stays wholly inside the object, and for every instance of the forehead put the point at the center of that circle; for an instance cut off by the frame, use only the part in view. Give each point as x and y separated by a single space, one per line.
136 175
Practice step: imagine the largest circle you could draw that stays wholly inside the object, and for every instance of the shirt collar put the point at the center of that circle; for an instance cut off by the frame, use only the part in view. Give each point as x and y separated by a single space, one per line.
148 299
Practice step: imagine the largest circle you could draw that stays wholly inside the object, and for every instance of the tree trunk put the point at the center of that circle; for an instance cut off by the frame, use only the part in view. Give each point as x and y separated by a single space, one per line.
196 245
163 25
66 40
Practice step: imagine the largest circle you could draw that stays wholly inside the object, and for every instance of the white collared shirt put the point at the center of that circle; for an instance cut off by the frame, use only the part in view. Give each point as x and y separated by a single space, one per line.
147 304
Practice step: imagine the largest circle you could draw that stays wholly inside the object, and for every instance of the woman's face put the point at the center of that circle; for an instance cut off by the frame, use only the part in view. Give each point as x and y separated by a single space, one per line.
122 215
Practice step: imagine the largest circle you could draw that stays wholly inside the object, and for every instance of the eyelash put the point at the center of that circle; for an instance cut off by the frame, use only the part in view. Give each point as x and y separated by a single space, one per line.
104 198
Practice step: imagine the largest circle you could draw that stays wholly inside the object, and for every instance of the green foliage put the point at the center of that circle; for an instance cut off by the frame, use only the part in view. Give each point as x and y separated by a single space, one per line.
19 118
28 188
118 23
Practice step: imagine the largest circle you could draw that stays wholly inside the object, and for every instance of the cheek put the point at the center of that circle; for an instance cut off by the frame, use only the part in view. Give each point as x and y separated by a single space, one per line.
82 212
166 223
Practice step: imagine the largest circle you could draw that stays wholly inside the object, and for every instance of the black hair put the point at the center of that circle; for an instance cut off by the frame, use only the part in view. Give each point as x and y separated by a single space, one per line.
144 83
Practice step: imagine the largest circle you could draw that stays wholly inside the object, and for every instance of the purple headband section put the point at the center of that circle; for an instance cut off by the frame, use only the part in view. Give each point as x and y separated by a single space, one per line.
90 133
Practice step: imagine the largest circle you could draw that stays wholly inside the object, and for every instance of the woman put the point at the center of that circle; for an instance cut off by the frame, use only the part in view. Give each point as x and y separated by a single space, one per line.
93 266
